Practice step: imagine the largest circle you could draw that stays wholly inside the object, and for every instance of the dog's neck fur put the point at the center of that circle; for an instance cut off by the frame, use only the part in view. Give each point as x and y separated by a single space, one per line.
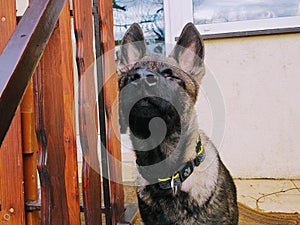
202 181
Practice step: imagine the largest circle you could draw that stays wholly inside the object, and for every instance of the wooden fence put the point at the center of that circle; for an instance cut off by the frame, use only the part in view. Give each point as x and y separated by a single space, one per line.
37 115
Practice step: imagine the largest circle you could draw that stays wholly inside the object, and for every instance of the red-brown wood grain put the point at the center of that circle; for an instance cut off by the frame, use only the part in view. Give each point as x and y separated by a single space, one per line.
8 21
22 52
71 166
30 149
88 131
11 163
111 97
55 126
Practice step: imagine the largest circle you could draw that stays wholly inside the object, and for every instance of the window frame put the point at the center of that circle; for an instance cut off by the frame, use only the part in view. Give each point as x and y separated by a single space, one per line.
174 22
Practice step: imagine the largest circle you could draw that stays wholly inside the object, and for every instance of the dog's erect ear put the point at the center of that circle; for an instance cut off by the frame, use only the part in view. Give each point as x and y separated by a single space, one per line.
189 51
133 47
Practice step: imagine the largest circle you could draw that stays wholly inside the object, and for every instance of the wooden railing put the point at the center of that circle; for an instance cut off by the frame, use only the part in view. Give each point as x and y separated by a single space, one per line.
37 115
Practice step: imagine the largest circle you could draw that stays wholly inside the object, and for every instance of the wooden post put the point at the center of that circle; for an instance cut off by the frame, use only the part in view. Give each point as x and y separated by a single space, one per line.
110 95
88 131
55 126
11 163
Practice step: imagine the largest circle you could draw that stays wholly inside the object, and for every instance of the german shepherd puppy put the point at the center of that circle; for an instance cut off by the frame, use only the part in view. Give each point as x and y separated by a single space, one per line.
182 179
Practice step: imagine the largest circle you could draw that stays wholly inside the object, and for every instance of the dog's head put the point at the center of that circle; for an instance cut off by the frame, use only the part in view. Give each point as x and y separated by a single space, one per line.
159 87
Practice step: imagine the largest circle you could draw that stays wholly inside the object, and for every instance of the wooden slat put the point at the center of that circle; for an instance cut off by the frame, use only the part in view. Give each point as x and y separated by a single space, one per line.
11 175
102 116
27 112
110 96
82 12
21 54
42 146
56 129
30 149
11 163
7 21
71 165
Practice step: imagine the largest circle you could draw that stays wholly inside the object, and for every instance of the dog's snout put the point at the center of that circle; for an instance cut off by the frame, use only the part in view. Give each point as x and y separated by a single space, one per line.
144 75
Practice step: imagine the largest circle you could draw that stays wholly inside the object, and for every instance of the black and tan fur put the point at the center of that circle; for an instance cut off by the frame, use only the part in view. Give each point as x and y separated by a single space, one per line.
208 196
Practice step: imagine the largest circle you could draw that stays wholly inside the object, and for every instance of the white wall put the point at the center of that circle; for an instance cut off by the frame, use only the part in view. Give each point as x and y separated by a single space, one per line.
259 78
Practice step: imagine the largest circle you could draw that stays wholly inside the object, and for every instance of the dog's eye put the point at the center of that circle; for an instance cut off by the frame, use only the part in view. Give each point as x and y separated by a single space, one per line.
167 72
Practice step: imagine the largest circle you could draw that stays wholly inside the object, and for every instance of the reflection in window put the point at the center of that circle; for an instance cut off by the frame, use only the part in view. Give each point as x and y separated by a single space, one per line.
220 11
150 16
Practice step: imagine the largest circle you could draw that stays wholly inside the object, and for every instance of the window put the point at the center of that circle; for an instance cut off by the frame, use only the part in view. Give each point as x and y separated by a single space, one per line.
148 14
208 12
232 16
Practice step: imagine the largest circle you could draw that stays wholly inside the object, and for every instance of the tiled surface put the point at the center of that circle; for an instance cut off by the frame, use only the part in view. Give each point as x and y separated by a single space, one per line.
128 171
297 184
128 157
270 195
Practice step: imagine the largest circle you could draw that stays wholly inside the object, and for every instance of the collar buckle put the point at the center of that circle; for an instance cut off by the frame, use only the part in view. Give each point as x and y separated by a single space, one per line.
170 182
174 187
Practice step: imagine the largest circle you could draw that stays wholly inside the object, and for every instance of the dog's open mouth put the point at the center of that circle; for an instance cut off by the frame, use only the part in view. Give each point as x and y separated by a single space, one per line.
148 108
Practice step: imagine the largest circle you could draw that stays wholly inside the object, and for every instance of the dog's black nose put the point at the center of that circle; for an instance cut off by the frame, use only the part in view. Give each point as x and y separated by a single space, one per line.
144 75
